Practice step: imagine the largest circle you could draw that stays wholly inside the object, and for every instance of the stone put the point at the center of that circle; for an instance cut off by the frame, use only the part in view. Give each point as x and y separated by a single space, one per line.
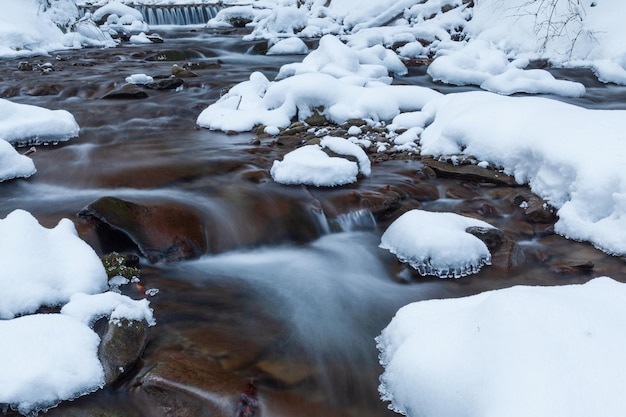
317 118
469 172
493 238
126 91
181 384
182 72
24 66
166 232
121 346
169 83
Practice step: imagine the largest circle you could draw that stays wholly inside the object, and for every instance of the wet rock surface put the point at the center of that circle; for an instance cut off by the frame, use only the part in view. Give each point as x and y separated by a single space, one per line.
161 232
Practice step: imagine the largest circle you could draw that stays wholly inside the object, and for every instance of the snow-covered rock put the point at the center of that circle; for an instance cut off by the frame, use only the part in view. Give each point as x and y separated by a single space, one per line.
437 243
12 164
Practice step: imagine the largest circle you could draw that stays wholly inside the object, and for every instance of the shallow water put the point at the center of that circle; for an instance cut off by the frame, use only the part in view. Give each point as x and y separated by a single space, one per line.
277 298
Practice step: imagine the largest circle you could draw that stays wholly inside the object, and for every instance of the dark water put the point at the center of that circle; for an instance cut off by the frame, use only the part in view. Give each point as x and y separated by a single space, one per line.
278 299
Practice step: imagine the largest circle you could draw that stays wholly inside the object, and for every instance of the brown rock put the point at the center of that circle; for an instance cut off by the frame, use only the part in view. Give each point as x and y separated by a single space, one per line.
469 172
121 346
166 232
126 91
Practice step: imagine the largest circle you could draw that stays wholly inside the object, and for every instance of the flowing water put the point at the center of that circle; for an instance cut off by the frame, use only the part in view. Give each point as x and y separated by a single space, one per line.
293 287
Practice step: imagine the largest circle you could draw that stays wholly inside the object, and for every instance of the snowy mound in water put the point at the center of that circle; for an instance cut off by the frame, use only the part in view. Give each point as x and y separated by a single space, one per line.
12 164
43 266
437 243
26 124
518 352
312 166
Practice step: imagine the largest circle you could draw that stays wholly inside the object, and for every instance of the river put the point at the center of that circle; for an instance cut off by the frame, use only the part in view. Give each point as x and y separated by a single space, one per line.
289 294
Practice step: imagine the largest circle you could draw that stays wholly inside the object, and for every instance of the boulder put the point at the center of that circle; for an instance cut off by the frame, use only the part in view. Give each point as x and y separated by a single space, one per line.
126 91
121 346
167 232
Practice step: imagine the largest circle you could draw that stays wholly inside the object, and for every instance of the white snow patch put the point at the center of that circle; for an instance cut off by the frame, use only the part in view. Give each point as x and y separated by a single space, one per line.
12 164
437 243
521 351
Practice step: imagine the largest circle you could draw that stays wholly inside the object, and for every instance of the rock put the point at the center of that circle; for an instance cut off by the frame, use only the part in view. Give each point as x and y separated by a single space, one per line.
535 209
154 38
259 48
121 346
202 65
24 66
493 238
166 232
287 373
169 83
317 118
469 172
180 384
127 91
572 267
182 72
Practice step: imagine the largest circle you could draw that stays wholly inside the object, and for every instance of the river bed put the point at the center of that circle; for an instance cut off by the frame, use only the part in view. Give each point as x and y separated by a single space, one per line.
284 305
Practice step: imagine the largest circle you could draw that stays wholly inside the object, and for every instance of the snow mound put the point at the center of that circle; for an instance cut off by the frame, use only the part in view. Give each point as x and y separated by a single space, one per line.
521 351
311 165
43 266
288 46
437 243
139 79
90 307
46 358
12 164
26 124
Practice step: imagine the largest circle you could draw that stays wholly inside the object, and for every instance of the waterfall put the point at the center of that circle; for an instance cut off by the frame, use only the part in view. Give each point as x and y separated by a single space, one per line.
359 220
178 15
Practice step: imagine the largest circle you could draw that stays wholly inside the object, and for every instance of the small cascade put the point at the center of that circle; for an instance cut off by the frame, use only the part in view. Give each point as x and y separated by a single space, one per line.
179 15
358 220
175 15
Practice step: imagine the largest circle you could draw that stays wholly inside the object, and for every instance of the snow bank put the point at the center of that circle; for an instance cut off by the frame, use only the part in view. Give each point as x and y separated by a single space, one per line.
522 351
28 28
570 156
288 46
437 243
355 86
12 164
24 123
60 265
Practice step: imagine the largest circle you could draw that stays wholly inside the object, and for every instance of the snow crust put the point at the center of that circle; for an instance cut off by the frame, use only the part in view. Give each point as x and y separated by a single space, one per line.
521 351
437 243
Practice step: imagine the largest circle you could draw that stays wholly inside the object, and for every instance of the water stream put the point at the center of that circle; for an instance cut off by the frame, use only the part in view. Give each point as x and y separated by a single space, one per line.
292 289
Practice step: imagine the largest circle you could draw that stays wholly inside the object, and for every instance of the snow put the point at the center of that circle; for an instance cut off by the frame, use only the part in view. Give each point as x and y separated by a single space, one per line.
25 123
437 243
311 165
546 144
140 38
288 46
47 358
139 79
521 351
116 8
62 265
12 164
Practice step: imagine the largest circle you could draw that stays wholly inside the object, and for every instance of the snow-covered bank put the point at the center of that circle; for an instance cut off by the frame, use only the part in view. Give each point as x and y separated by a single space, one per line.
522 351
570 156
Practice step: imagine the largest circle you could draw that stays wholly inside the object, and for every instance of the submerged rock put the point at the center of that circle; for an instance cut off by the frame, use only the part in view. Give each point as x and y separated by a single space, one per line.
126 91
166 232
